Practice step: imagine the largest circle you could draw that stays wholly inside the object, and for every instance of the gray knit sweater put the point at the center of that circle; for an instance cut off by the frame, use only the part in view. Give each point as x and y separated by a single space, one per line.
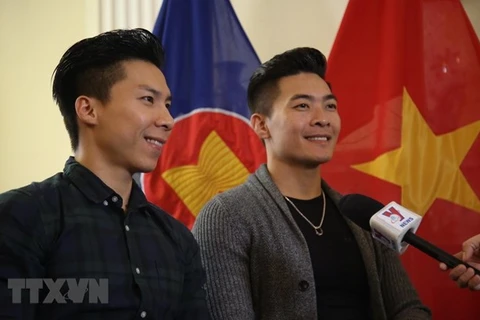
255 256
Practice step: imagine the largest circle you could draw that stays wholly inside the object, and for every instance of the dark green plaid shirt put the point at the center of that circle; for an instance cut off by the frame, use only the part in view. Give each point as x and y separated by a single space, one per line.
72 226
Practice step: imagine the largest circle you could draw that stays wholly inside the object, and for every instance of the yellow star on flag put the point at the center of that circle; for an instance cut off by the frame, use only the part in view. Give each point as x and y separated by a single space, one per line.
427 166
218 169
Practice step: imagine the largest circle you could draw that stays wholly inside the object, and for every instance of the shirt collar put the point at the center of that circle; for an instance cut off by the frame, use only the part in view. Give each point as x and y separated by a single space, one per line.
96 190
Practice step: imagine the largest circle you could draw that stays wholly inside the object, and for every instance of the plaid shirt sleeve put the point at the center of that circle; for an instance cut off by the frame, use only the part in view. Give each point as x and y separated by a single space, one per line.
21 253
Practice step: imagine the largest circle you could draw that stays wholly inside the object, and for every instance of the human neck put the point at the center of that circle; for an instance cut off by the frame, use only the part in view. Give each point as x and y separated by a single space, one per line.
295 181
117 178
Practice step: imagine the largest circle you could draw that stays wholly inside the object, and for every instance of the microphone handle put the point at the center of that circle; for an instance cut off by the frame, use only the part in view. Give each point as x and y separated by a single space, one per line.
435 252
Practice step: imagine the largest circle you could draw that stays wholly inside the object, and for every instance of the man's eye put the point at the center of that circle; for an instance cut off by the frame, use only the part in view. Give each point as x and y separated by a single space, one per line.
302 106
148 98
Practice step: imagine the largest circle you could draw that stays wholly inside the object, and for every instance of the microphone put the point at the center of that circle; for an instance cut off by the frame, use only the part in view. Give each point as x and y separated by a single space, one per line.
394 226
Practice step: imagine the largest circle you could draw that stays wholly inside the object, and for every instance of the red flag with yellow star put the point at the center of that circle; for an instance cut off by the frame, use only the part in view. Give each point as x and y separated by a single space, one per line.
407 77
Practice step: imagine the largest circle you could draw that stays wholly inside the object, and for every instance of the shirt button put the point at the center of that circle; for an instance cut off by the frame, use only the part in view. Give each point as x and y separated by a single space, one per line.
105 203
137 270
114 198
303 285
127 228
143 314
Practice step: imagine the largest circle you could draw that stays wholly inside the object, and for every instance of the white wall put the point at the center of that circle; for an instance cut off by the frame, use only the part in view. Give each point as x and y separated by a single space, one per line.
33 36
274 26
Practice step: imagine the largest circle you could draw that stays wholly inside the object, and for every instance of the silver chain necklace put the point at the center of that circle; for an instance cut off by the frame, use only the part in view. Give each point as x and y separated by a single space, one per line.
318 229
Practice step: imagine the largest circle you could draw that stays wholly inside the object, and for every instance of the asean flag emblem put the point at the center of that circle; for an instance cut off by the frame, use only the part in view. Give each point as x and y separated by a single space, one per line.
208 152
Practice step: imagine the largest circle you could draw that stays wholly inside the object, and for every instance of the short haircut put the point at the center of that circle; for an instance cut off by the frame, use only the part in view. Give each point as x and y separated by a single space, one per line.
263 89
92 66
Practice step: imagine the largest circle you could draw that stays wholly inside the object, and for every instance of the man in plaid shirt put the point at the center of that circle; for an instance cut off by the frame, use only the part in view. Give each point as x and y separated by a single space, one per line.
92 221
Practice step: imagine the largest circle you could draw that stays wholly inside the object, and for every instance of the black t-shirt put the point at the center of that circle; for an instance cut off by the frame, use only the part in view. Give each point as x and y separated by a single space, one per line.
340 276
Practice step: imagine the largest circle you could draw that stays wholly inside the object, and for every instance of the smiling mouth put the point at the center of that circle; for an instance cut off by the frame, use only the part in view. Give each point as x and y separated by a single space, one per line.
155 142
319 138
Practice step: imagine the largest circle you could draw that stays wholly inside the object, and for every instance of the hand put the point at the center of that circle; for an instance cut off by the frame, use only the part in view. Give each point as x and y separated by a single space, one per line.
470 254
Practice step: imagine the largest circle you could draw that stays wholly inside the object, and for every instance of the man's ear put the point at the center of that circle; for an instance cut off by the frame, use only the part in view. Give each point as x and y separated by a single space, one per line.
259 124
86 109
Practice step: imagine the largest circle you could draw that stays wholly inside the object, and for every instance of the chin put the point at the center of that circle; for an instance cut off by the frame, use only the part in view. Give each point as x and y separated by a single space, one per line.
147 169
319 161
145 166
311 162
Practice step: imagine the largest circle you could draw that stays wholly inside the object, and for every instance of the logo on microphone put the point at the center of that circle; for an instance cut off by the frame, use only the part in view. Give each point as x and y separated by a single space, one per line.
394 215
382 238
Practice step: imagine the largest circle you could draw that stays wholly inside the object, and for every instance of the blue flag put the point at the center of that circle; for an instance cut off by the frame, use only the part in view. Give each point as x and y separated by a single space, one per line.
212 148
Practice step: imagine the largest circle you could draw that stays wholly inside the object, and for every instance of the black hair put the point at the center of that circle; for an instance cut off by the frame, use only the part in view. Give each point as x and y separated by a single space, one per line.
92 66
263 90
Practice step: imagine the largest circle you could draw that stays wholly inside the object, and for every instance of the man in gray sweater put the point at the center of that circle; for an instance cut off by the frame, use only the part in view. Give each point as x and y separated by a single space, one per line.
276 247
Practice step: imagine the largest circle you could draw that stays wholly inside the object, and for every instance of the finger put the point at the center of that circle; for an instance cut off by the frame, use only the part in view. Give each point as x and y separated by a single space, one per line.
468 249
474 283
475 265
459 255
443 266
463 280
457 272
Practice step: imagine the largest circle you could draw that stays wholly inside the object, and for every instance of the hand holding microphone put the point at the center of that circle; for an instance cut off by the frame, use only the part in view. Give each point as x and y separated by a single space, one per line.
466 277
395 227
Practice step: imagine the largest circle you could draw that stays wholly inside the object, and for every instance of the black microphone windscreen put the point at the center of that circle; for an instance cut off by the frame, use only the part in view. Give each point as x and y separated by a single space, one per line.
359 209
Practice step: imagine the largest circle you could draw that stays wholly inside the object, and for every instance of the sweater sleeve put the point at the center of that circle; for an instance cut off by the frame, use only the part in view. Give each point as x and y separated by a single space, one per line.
400 297
224 248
